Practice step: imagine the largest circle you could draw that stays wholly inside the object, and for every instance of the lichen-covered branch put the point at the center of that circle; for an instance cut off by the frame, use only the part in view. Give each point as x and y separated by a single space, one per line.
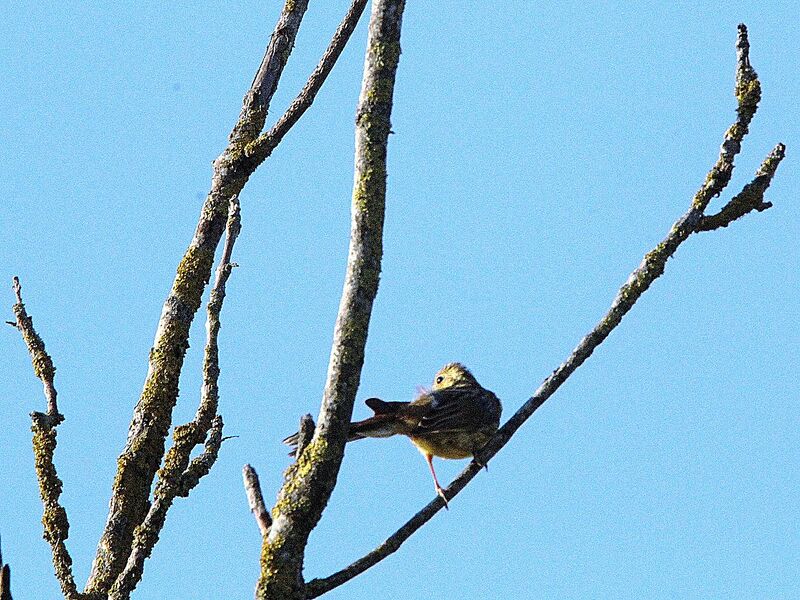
310 480
200 465
43 426
177 477
267 142
748 95
750 198
257 100
144 449
42 363
255 499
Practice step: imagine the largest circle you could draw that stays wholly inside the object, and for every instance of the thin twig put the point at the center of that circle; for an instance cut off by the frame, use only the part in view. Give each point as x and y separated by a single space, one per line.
5 583
178 476
748 94
42 363
255 499
54 519
268 141
144 449
311 479
5 578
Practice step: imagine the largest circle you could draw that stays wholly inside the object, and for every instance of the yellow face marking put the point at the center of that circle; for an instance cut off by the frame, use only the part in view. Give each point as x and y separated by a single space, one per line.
452 375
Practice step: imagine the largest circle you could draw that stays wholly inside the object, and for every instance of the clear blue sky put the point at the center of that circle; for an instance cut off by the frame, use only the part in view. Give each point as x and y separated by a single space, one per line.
539 151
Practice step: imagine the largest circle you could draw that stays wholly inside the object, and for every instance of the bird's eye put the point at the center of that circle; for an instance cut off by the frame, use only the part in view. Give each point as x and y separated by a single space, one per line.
439 379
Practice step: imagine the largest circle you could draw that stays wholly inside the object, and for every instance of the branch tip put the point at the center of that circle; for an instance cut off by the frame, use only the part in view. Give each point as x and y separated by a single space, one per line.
304 433
17 287
255 499
742 45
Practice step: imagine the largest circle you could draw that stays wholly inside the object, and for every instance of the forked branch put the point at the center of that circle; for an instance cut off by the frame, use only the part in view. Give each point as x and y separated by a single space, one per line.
144 450
268 141
178 475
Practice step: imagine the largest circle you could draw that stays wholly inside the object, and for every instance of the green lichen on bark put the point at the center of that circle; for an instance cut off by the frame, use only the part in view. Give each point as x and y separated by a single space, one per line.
54 518
142 456
192 276
281 578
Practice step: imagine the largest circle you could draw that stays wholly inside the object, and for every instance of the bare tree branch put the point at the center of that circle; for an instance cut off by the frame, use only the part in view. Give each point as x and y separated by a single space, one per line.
152 416
311 479
750 198
177 477
42 363
255 499
150 424
257 100
54 519
748 95
129 505
268 141
5 579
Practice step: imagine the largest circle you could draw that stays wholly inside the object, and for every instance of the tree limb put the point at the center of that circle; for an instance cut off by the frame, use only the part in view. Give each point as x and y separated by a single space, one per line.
265 82
54 519
42 363
150 424
5 582
651 267
267 142
311 479
152 416
177 477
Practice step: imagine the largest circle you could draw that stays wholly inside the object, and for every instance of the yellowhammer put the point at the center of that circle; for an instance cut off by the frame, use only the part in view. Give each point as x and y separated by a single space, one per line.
454 419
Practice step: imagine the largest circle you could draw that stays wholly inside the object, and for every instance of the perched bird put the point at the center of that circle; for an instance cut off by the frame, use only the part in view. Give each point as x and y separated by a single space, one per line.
454 419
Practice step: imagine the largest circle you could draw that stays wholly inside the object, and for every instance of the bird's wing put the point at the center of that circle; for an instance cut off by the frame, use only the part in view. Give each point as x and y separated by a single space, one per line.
450 410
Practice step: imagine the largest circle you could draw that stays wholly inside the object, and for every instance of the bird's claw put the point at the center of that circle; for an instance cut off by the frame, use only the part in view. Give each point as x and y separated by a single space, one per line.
440 493
480 463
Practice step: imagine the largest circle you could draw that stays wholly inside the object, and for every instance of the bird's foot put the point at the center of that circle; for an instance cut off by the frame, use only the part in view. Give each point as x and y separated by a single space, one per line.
441 495
480 463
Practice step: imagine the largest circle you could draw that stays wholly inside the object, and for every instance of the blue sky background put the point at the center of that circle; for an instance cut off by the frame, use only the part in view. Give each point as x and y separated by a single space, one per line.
540 150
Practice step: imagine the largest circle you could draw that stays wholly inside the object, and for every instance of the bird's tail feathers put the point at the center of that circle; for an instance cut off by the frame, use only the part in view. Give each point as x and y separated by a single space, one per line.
382 424
378 426
380 407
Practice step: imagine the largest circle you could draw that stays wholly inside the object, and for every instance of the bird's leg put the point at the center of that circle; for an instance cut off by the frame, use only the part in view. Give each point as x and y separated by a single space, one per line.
439 490
478 461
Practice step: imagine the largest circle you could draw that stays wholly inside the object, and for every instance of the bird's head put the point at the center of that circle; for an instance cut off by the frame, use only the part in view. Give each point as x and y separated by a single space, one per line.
454 375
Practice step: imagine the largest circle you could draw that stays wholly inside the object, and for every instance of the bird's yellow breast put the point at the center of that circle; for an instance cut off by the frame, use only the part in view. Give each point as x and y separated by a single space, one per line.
451 444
